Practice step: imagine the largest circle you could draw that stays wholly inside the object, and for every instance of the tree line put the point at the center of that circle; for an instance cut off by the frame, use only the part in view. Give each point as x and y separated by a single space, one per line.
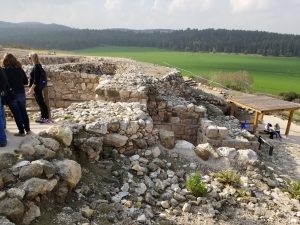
193 40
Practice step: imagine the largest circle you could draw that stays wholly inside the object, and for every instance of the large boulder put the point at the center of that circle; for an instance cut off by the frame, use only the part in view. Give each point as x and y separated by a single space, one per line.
97 127
204 151
12 208
91 146
69 171
115 140
167 138
61 133
36 186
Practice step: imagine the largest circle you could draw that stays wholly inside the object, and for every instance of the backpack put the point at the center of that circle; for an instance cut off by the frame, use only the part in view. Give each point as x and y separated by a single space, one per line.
43 79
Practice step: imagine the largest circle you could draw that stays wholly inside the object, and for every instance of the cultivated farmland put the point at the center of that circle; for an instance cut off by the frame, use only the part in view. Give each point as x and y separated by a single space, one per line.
270 74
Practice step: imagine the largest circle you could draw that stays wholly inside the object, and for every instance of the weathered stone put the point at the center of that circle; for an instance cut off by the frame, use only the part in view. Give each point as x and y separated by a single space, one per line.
115 140
16 168
165 204
156 152
246 155
87 212
223 132
212 131
167 138
42 152
4 221
97 127
12 208
204 151
31 170
61 133
7 160
50 143
186 207
140 143
16 193
31 214
227 152
48 168
69 170
141 189
184 146
36 186
114 125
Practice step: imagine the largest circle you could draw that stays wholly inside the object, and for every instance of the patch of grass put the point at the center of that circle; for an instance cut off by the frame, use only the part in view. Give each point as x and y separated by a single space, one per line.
294 189
270 74
196 186
229 177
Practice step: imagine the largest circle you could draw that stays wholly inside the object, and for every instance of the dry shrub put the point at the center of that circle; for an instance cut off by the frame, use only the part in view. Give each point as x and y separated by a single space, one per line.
239 81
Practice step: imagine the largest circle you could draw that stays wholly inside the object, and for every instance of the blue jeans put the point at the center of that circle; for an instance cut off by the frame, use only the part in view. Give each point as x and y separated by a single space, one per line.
3 139
18 109
3 115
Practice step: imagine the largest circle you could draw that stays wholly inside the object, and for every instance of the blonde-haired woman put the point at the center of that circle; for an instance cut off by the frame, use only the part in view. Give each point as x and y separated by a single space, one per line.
36 87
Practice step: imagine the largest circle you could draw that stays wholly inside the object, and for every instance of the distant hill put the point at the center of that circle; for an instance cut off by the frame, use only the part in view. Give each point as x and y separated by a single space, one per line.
54 36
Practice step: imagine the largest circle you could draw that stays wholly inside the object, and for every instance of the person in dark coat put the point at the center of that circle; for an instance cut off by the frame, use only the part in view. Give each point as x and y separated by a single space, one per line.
36 87
3 84
17 78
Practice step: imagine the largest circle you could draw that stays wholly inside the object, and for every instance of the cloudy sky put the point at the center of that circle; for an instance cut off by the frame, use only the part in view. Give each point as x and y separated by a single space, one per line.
269 15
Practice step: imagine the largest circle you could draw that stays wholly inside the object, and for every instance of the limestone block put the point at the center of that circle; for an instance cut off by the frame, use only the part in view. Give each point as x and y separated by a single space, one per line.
205 123
115 140
223 132
227 152
61 133
69 171
167 138
212 131
97 127
174 120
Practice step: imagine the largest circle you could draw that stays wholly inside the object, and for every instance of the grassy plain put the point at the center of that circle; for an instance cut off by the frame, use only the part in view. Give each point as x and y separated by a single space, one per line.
270 74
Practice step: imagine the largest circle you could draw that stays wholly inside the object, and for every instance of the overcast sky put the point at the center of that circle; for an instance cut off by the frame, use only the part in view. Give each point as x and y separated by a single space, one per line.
269 15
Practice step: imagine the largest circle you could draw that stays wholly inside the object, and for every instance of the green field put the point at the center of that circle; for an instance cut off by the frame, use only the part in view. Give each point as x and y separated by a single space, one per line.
270 74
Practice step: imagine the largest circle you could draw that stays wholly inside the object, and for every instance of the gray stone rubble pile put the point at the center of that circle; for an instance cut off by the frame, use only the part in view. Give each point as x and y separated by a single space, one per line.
39 170
153 191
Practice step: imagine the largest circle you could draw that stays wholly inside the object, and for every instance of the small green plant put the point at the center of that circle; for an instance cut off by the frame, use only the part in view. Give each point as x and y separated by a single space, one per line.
294 189
229 177
196 186
67 117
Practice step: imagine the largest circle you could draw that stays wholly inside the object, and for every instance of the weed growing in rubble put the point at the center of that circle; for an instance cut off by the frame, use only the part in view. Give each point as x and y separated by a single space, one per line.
229 177
196 186
294 189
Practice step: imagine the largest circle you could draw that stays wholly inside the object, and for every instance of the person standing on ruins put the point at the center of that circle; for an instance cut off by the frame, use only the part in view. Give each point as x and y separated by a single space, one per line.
36 85
16 97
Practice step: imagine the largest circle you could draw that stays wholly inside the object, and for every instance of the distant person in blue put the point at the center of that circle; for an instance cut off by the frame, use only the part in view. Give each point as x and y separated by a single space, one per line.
3 84
16 97
36 87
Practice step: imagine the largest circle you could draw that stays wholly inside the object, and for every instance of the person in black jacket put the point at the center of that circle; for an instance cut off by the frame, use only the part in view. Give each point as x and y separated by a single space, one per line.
3 85
36 87
17 78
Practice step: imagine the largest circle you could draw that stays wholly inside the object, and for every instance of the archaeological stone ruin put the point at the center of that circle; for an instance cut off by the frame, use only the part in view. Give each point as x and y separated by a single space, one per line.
133 108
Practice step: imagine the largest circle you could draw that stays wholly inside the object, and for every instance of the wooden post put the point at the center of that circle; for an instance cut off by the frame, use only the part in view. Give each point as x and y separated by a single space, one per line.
261 117
232 108
47 101
287 131
255 121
